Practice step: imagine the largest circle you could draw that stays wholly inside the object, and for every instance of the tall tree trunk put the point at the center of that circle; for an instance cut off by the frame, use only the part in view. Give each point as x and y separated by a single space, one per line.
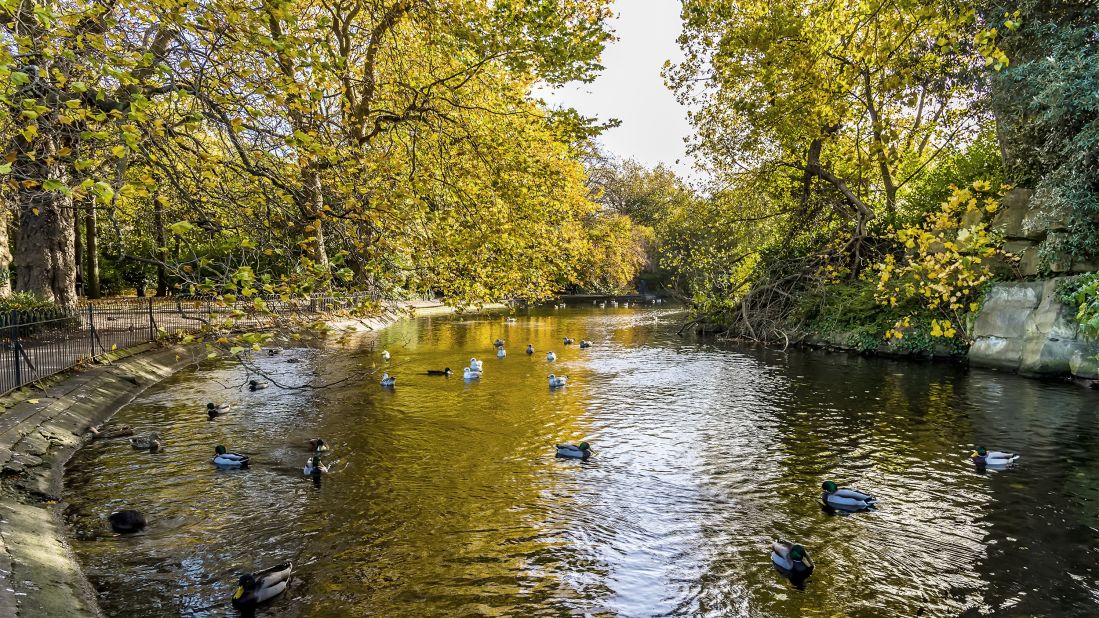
161 249
45 263
91 275
5 253
313 211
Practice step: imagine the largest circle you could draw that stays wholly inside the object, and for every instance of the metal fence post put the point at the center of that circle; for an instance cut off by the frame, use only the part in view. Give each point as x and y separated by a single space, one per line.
152 322
91 329
15 349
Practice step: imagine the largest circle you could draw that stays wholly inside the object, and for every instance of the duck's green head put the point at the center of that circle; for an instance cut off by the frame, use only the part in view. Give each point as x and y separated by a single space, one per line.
219 449
210 406
584 446
797 552
982 451
248 581
829 486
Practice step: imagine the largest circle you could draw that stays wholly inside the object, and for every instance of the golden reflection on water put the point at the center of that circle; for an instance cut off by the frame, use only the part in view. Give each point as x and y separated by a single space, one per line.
445 497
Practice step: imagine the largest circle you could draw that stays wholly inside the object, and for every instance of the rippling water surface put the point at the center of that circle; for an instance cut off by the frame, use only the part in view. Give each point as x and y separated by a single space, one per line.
445 497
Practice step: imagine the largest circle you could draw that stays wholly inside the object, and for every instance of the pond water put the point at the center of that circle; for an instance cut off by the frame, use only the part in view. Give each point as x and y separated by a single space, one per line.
445 497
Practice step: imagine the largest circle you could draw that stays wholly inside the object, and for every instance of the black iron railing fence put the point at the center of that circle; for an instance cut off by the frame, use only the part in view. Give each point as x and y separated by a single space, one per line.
38 344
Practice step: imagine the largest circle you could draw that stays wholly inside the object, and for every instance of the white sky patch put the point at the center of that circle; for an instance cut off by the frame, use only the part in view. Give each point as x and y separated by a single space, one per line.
632 90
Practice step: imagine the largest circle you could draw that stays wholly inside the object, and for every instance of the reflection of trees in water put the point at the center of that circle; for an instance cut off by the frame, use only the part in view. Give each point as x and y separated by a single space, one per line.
1040 516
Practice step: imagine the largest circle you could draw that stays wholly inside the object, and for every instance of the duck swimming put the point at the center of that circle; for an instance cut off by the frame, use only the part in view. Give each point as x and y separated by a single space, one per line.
471 374
385 355
318 445
557 381
993 459
475 364
501 353
511 320
568 341
846 499
581 451
259 587
388 381
792 560
213 410
551 356
127 522
314 466
149 442
256 385
499 343
584 343
223 459
437 372
107 432
530 348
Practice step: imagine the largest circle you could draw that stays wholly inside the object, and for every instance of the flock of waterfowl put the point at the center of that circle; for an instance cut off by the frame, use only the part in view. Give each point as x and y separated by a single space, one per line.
256 588
791 559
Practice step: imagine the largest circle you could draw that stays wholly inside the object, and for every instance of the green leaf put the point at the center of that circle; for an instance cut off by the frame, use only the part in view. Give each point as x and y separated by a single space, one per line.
180 228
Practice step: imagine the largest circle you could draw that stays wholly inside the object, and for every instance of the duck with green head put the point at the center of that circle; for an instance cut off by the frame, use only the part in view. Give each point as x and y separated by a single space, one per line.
260 587
224 459
846 499
581 451
791 559
993 459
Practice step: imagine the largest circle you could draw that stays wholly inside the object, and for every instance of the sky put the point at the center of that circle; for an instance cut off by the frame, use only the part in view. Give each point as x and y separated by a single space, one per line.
631 89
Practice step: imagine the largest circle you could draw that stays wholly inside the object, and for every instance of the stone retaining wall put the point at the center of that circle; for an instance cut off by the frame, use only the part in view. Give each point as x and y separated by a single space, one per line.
1024 327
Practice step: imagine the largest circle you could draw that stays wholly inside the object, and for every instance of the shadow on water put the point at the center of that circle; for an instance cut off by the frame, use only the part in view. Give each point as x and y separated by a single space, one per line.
446 497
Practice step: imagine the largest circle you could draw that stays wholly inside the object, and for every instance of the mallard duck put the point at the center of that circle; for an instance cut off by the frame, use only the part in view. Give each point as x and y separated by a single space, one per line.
388 381
551 356
511 320
127 522
437 372
556 381
499 343
568 341
213 409
791 559
846 499
580 451
476 365
530 348
318 445
993 459
107 432
229 460
273 351
470 374
149 442
385 355
313 465
501 353
256 385
259 587
584 343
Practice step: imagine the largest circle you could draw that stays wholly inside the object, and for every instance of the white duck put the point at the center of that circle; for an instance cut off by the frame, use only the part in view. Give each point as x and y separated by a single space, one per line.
846 499
476 365
385 355
551 356
388 381
501 353
223 459
557 381
993 459
471 374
